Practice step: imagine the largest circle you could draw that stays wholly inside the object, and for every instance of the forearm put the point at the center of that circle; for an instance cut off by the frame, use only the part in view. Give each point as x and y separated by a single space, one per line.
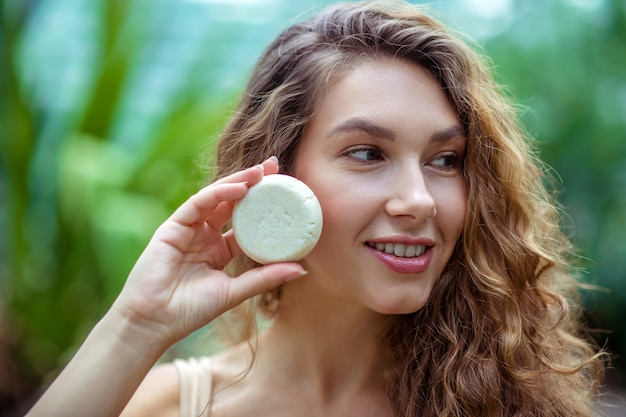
172 290
104 373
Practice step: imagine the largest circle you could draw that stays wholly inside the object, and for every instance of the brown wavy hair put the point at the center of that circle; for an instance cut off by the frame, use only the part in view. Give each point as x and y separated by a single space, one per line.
501 334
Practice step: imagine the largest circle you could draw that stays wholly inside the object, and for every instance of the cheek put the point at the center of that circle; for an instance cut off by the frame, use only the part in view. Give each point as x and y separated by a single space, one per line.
337 229
337 196
345 208
336 211
452 211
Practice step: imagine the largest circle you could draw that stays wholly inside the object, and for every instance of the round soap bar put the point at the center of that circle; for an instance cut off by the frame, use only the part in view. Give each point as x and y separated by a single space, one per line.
278 220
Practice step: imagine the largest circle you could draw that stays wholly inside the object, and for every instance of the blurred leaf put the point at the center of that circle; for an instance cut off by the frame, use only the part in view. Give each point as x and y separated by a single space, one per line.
110 108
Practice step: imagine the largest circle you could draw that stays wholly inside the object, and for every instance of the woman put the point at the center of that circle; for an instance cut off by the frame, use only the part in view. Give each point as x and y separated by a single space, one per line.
440 284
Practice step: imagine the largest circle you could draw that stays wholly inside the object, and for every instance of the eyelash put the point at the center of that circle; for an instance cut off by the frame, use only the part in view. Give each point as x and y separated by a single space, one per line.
369 149
452 160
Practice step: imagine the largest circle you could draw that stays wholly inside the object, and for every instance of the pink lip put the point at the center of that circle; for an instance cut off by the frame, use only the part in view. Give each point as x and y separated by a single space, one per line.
404 240
404 265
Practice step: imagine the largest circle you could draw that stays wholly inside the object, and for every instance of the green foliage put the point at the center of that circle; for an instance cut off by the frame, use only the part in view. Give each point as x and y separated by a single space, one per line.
82 196
109 109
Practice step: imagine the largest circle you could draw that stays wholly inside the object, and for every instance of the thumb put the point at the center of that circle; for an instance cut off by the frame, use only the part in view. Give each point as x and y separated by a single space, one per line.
264 278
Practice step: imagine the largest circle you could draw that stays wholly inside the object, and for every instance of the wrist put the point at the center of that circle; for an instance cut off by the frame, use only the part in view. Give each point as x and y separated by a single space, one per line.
145 339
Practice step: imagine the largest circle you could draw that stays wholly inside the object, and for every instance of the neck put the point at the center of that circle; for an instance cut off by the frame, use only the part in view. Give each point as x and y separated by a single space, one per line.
332 342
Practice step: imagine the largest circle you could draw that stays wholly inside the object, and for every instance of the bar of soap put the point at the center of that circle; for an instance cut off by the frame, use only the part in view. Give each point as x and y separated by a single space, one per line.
278 220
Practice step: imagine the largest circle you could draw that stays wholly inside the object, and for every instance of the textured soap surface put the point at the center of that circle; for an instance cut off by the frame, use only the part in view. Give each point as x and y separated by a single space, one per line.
278 220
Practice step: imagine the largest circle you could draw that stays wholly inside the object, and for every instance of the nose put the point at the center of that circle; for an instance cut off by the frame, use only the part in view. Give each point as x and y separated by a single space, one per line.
409 196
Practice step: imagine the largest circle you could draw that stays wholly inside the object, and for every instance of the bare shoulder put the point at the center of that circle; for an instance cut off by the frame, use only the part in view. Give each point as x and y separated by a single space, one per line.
158 395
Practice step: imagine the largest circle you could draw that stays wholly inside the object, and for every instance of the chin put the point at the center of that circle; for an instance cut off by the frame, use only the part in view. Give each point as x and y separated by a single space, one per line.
401 300
404 307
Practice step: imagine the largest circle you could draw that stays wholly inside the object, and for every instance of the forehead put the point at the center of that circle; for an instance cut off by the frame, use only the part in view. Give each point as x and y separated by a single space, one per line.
394 92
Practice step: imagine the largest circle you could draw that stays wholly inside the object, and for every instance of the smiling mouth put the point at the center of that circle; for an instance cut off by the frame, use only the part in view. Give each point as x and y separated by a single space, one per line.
399 249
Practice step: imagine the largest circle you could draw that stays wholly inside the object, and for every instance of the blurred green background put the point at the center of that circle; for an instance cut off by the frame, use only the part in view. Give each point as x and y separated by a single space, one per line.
109 109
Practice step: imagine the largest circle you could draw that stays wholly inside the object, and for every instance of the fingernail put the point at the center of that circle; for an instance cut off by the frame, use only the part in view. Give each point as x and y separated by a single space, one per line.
247 184
260 166
296 275
274 158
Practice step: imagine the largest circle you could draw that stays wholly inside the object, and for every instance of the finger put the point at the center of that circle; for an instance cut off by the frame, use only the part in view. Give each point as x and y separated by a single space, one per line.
259 280
223 212
270 165
220 216
231 242
250 175
199 206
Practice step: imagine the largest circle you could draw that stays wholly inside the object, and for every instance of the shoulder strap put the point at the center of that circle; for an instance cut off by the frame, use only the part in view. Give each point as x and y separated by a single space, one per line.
195 386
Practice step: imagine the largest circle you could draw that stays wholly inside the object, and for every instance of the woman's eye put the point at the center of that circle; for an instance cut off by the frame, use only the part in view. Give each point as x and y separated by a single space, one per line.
448 161
365 154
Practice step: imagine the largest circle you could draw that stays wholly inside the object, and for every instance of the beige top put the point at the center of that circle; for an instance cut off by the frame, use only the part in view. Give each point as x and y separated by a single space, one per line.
195 386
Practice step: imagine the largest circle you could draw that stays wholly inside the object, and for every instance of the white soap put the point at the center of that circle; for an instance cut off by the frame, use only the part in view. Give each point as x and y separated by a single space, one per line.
278 220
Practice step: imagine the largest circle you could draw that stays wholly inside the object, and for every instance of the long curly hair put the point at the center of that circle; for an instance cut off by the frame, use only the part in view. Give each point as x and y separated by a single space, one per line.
501 334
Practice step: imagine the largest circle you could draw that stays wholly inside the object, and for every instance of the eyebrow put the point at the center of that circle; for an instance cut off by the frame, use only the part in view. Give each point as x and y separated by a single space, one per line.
378 131
447 134
363 125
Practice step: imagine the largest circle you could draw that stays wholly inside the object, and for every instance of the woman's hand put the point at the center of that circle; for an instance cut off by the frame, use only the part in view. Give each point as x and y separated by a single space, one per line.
178 285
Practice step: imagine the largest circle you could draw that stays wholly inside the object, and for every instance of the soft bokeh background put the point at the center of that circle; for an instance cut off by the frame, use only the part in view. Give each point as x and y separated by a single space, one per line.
109 108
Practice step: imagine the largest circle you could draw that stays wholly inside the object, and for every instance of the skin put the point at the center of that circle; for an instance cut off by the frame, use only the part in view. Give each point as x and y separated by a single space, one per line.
386 164
383 156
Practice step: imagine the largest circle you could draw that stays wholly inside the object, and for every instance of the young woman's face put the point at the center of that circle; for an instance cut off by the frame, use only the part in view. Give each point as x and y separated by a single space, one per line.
383 153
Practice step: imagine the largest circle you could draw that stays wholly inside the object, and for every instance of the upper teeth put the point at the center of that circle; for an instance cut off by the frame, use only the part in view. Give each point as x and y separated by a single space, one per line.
399 249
